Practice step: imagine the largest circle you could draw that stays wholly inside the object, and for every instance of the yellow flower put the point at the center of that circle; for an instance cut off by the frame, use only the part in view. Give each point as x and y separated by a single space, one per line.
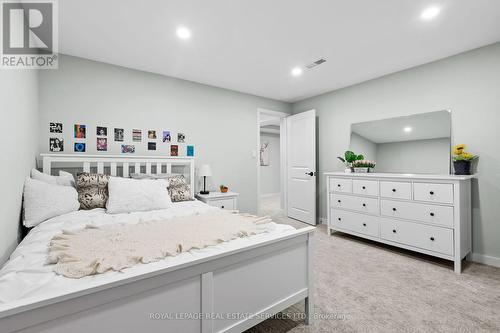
467 156
458 149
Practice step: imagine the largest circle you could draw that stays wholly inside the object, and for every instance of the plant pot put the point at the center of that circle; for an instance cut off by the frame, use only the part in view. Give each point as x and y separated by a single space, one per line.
224 190
461 167
361 170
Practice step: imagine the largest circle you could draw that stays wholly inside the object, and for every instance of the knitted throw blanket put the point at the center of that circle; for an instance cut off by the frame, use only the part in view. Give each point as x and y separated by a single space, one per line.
97 249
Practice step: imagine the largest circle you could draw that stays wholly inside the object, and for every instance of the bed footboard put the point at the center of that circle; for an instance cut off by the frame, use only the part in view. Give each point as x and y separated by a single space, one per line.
230 292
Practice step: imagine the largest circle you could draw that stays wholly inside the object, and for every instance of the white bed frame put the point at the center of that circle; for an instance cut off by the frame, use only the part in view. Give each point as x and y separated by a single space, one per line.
227 292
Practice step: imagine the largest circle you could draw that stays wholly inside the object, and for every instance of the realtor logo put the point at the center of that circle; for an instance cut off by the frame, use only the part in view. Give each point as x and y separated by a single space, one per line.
29 34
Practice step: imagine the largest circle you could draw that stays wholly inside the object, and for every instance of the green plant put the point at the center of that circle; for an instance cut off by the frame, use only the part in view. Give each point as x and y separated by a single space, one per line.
364 164
350 157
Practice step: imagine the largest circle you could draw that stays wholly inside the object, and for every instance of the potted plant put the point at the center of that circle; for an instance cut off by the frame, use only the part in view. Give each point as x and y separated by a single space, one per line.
349 158
462 160
224 189
363 166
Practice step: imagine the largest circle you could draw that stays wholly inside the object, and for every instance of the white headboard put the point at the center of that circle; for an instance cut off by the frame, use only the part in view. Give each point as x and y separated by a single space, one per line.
115 161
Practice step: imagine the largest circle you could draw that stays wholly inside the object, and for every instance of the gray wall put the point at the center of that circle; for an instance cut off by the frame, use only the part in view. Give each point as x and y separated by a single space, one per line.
220 123
360 145
270 175
18 132
468 83
419 156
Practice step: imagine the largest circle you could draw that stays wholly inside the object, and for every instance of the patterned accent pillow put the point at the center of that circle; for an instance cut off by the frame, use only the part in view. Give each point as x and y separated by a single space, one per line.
173 179
92 190
180 193
177 180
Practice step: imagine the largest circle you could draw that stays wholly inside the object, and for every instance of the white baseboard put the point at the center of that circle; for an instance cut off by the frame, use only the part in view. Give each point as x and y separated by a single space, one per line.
484 259
267 195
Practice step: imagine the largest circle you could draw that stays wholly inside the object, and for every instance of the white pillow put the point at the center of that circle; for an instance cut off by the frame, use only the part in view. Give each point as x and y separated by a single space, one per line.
64 178
43 201
134 195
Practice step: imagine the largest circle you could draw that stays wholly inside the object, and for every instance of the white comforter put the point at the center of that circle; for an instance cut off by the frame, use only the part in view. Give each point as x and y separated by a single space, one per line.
26 275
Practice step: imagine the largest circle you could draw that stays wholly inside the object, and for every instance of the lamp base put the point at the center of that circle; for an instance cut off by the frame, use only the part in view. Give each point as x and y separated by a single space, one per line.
204 192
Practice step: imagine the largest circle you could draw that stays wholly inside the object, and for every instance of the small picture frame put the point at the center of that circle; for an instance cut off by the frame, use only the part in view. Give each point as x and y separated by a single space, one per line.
190 151
119 134
56 145
102 144
101 131
166 136
56 127
79 147
151 145
136 135
128 149
181 137
152 135
80 131
174 150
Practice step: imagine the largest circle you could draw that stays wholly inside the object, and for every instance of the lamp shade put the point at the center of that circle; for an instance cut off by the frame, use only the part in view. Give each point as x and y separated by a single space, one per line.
205 171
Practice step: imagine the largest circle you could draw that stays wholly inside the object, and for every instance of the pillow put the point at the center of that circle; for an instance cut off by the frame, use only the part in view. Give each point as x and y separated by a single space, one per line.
92 190
173 179
180 193
43 201
64 178
133 195
178 189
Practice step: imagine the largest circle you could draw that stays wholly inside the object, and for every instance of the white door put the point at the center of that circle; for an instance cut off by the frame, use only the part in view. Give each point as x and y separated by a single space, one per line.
301 166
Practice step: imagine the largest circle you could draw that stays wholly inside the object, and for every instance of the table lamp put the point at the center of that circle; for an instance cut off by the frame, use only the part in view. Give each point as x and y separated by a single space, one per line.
205 172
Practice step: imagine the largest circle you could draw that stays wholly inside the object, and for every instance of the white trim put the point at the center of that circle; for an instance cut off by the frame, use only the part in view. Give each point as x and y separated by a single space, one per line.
485 259
267 195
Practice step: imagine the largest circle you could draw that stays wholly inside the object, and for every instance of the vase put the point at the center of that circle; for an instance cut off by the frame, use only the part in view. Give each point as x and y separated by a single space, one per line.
362 170
461 167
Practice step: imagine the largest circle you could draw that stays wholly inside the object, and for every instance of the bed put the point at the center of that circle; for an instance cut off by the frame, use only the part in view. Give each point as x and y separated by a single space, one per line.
225 288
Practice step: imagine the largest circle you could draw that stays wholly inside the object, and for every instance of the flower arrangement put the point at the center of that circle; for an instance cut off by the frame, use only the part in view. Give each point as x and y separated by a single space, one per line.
462 160
223 188
349 158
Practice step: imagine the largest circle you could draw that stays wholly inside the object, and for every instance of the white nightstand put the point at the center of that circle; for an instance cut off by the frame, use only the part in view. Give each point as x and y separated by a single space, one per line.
227 200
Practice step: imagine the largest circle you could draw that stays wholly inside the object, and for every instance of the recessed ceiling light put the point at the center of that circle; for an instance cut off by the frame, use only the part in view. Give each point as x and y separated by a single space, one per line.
297 71
407 129
430 13
183 33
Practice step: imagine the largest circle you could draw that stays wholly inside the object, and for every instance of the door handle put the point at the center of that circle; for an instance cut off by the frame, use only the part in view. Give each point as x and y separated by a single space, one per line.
310 173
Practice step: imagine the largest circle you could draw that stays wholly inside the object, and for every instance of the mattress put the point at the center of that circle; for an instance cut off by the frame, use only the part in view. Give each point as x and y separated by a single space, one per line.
26 275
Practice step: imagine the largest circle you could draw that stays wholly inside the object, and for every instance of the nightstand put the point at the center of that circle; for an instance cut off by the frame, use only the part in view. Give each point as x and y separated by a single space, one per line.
227 200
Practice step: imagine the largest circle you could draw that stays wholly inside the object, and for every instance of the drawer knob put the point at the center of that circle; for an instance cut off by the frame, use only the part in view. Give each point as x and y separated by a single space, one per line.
222 207
394 209
364 205
432 214
364 224
432 238
338 185
338 200
431 192
394 231
364 187
393 190
339 219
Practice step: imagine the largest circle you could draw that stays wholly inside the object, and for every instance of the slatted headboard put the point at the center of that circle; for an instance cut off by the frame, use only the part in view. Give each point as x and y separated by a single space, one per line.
113 163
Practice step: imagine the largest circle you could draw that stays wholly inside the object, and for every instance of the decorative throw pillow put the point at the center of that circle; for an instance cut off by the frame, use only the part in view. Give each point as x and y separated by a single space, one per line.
180 193
92 190
64 178
135 195
43 201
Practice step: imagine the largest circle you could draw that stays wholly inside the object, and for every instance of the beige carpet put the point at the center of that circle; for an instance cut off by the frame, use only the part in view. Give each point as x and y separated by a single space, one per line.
368 287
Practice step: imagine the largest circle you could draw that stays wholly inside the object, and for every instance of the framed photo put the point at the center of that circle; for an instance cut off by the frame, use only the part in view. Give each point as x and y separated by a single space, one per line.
181 137
136 135
166 136
152 135
56 127
128 149
101 131
102 144
79 147
151 145
174 150
119 134
190 151
80 131
56 145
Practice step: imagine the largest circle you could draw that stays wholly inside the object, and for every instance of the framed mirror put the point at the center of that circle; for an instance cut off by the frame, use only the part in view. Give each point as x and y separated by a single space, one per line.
418 143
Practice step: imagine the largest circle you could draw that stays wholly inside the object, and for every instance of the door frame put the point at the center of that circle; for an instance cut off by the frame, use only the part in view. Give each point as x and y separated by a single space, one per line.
283 149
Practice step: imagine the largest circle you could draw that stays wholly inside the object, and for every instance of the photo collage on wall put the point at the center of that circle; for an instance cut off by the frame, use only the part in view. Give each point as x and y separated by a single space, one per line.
162 140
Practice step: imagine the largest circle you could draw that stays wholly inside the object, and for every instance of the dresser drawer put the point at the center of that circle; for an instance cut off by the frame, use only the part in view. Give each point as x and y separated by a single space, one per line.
360 204
442 215
442 193
343 185
396 190
366 187
426 237
360 223
223 203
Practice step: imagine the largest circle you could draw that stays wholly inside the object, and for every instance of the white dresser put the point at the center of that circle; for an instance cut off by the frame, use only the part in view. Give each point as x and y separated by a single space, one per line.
430 214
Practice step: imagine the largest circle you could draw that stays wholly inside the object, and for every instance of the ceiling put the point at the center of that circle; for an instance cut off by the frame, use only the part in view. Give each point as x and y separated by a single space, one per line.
251 46
423 126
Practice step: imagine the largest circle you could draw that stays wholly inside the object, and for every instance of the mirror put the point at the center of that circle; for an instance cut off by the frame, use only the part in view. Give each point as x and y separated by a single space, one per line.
418 143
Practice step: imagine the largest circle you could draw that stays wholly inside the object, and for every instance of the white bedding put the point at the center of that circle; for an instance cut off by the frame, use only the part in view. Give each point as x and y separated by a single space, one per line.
26 275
